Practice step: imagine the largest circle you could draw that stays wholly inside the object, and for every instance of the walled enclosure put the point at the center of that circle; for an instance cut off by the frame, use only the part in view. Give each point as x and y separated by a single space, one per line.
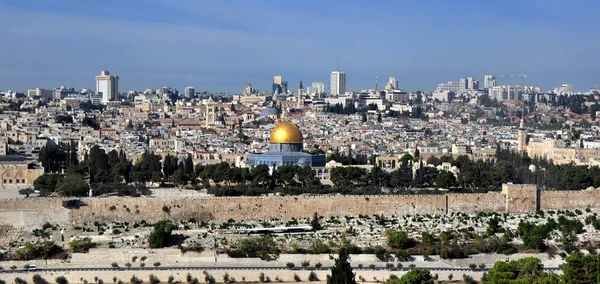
513 198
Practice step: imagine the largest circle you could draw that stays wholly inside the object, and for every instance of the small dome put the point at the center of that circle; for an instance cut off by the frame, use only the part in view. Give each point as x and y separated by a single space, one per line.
302 162
269 112
286 132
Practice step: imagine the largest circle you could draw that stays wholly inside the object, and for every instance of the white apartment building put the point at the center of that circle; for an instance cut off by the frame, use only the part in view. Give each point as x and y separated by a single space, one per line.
108 86
460 86
397 96
489 81
316 88
42 93
392 84
505 93
338 83
190 92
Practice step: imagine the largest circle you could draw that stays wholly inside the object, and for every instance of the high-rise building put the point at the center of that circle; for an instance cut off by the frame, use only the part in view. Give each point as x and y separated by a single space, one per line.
472 84
392 84
317 88
277 85
489 81
565 89
108 86
337 84
190 92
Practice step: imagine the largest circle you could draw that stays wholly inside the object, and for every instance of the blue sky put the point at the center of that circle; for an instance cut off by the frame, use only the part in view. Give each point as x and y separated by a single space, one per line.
219 45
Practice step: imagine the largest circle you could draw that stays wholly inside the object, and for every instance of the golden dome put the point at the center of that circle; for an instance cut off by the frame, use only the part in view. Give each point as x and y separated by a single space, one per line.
286 132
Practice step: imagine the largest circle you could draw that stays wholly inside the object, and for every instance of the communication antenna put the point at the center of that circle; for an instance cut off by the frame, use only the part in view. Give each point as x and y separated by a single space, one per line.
376 81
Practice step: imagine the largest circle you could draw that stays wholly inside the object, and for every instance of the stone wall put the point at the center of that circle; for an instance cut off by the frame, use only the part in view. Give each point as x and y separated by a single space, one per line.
476 202
569 200
520 197
30 213
253 208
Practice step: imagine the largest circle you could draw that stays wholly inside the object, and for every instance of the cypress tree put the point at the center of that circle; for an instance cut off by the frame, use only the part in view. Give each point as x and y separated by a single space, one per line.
341 272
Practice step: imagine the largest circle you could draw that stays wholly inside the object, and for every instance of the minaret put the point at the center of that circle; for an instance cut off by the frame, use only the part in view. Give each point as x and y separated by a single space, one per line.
301 95
522 137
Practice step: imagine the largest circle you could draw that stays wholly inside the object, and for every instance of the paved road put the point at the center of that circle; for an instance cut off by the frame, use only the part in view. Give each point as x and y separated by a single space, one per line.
265 268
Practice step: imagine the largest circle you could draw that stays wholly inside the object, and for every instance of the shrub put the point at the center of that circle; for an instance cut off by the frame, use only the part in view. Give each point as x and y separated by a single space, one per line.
153 279
39 250
305 263
37 279
20 281
171 279
226 278
318 265
209 278
297 278
80 245
468 279
156 264
290 265
128 264
313 276
135 280
372 266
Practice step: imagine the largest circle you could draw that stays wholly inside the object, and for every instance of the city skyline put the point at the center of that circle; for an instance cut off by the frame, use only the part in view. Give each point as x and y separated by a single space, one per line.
151 44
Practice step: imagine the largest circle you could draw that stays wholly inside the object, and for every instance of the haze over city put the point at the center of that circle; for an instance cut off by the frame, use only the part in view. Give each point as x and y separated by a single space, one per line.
217 46
338 142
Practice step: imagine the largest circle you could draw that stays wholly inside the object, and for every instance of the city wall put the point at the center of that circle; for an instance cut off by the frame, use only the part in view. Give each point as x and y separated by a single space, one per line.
513 198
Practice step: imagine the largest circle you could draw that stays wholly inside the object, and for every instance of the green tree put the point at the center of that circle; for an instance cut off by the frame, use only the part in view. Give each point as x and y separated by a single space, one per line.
341 271
61 280
179 177
525 270
26 191
580 269
40 250
189 166
315 223
260 175
398 239
415 276
80 245
263 247
148 168
169 165
53 158
160 237
47 183
72 185
445 179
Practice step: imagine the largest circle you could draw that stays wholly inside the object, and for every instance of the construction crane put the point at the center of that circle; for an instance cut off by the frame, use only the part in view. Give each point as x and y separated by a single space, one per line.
522 77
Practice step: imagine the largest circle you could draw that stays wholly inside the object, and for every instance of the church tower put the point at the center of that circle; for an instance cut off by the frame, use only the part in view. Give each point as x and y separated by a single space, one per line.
522 137
210 113
301 95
